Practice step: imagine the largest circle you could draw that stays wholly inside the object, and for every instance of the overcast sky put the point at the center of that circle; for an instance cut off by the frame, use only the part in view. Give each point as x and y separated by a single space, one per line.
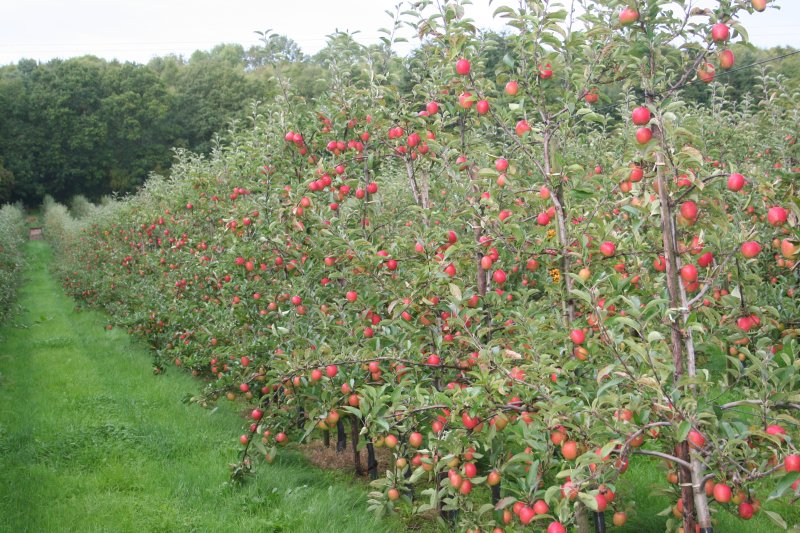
137 30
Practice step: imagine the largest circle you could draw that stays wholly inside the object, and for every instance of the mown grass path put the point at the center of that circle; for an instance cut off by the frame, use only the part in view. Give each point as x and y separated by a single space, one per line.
91 441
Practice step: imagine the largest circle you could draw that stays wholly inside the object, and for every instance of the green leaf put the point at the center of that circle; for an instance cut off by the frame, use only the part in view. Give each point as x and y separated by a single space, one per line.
455 291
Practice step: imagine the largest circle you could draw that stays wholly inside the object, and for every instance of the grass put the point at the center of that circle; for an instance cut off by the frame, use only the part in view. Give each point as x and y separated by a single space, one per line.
91 441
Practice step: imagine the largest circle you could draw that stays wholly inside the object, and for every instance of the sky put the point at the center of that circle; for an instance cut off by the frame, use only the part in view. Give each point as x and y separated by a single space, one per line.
138 30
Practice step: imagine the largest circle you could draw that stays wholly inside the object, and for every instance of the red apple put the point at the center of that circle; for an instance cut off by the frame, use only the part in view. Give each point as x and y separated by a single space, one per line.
750 249
726 59
792 463
735 182
512 87
628 16
722 493
641 116
777 216
720 32
689 273
608 248
643 135
463 67
759 5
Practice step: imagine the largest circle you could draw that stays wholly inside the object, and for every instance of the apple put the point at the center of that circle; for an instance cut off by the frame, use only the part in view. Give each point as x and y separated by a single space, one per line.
788 249
569 450
577 336
493 479
522 127
628 16
331 371
735 182
499 276
706 73
450 270
432 108
465 100
556 527
641 116
526 515
688 273
746 511
393 494
470 470
608 248
636 174
351 296
660 263
546 72
390 441
619 519
705 260
750 249
720 32
415 439
696 439
482 107
777 216
792 463
511 88
722 493
726 59
759 5
602 502
463 67
689 210
643 135
501 164
542 219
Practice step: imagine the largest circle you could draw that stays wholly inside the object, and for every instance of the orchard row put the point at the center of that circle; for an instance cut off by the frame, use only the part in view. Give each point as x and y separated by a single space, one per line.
514 293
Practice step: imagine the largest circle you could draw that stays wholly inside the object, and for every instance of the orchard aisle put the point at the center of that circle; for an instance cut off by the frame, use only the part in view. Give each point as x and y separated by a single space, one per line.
91 441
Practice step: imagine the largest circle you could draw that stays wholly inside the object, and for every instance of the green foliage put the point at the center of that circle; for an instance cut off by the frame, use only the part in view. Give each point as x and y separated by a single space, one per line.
12 237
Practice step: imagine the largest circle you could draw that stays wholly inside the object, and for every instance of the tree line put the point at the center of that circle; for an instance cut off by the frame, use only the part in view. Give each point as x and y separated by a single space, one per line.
94 127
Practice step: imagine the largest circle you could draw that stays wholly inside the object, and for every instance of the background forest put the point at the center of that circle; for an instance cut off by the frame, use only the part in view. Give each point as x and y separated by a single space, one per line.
94 127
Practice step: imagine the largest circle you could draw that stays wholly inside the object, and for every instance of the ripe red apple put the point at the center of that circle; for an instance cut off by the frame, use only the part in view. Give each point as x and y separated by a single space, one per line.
351 296
722 493
390 441
689 273
643 135
750 249
542 219
499 276
705 260
569 450
541 507
746 511
608 248
522 128
463 67
641 116
777 216
696 439
482 107
256 414
577 336
720 32
511 88
628 16
393 494
415 439
331 371
493 478
706 73
556 527
735 182
501 164
759 5
726 59
432 108
470 470
526 515
792 463
602 502
450 270
689 210
619 519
